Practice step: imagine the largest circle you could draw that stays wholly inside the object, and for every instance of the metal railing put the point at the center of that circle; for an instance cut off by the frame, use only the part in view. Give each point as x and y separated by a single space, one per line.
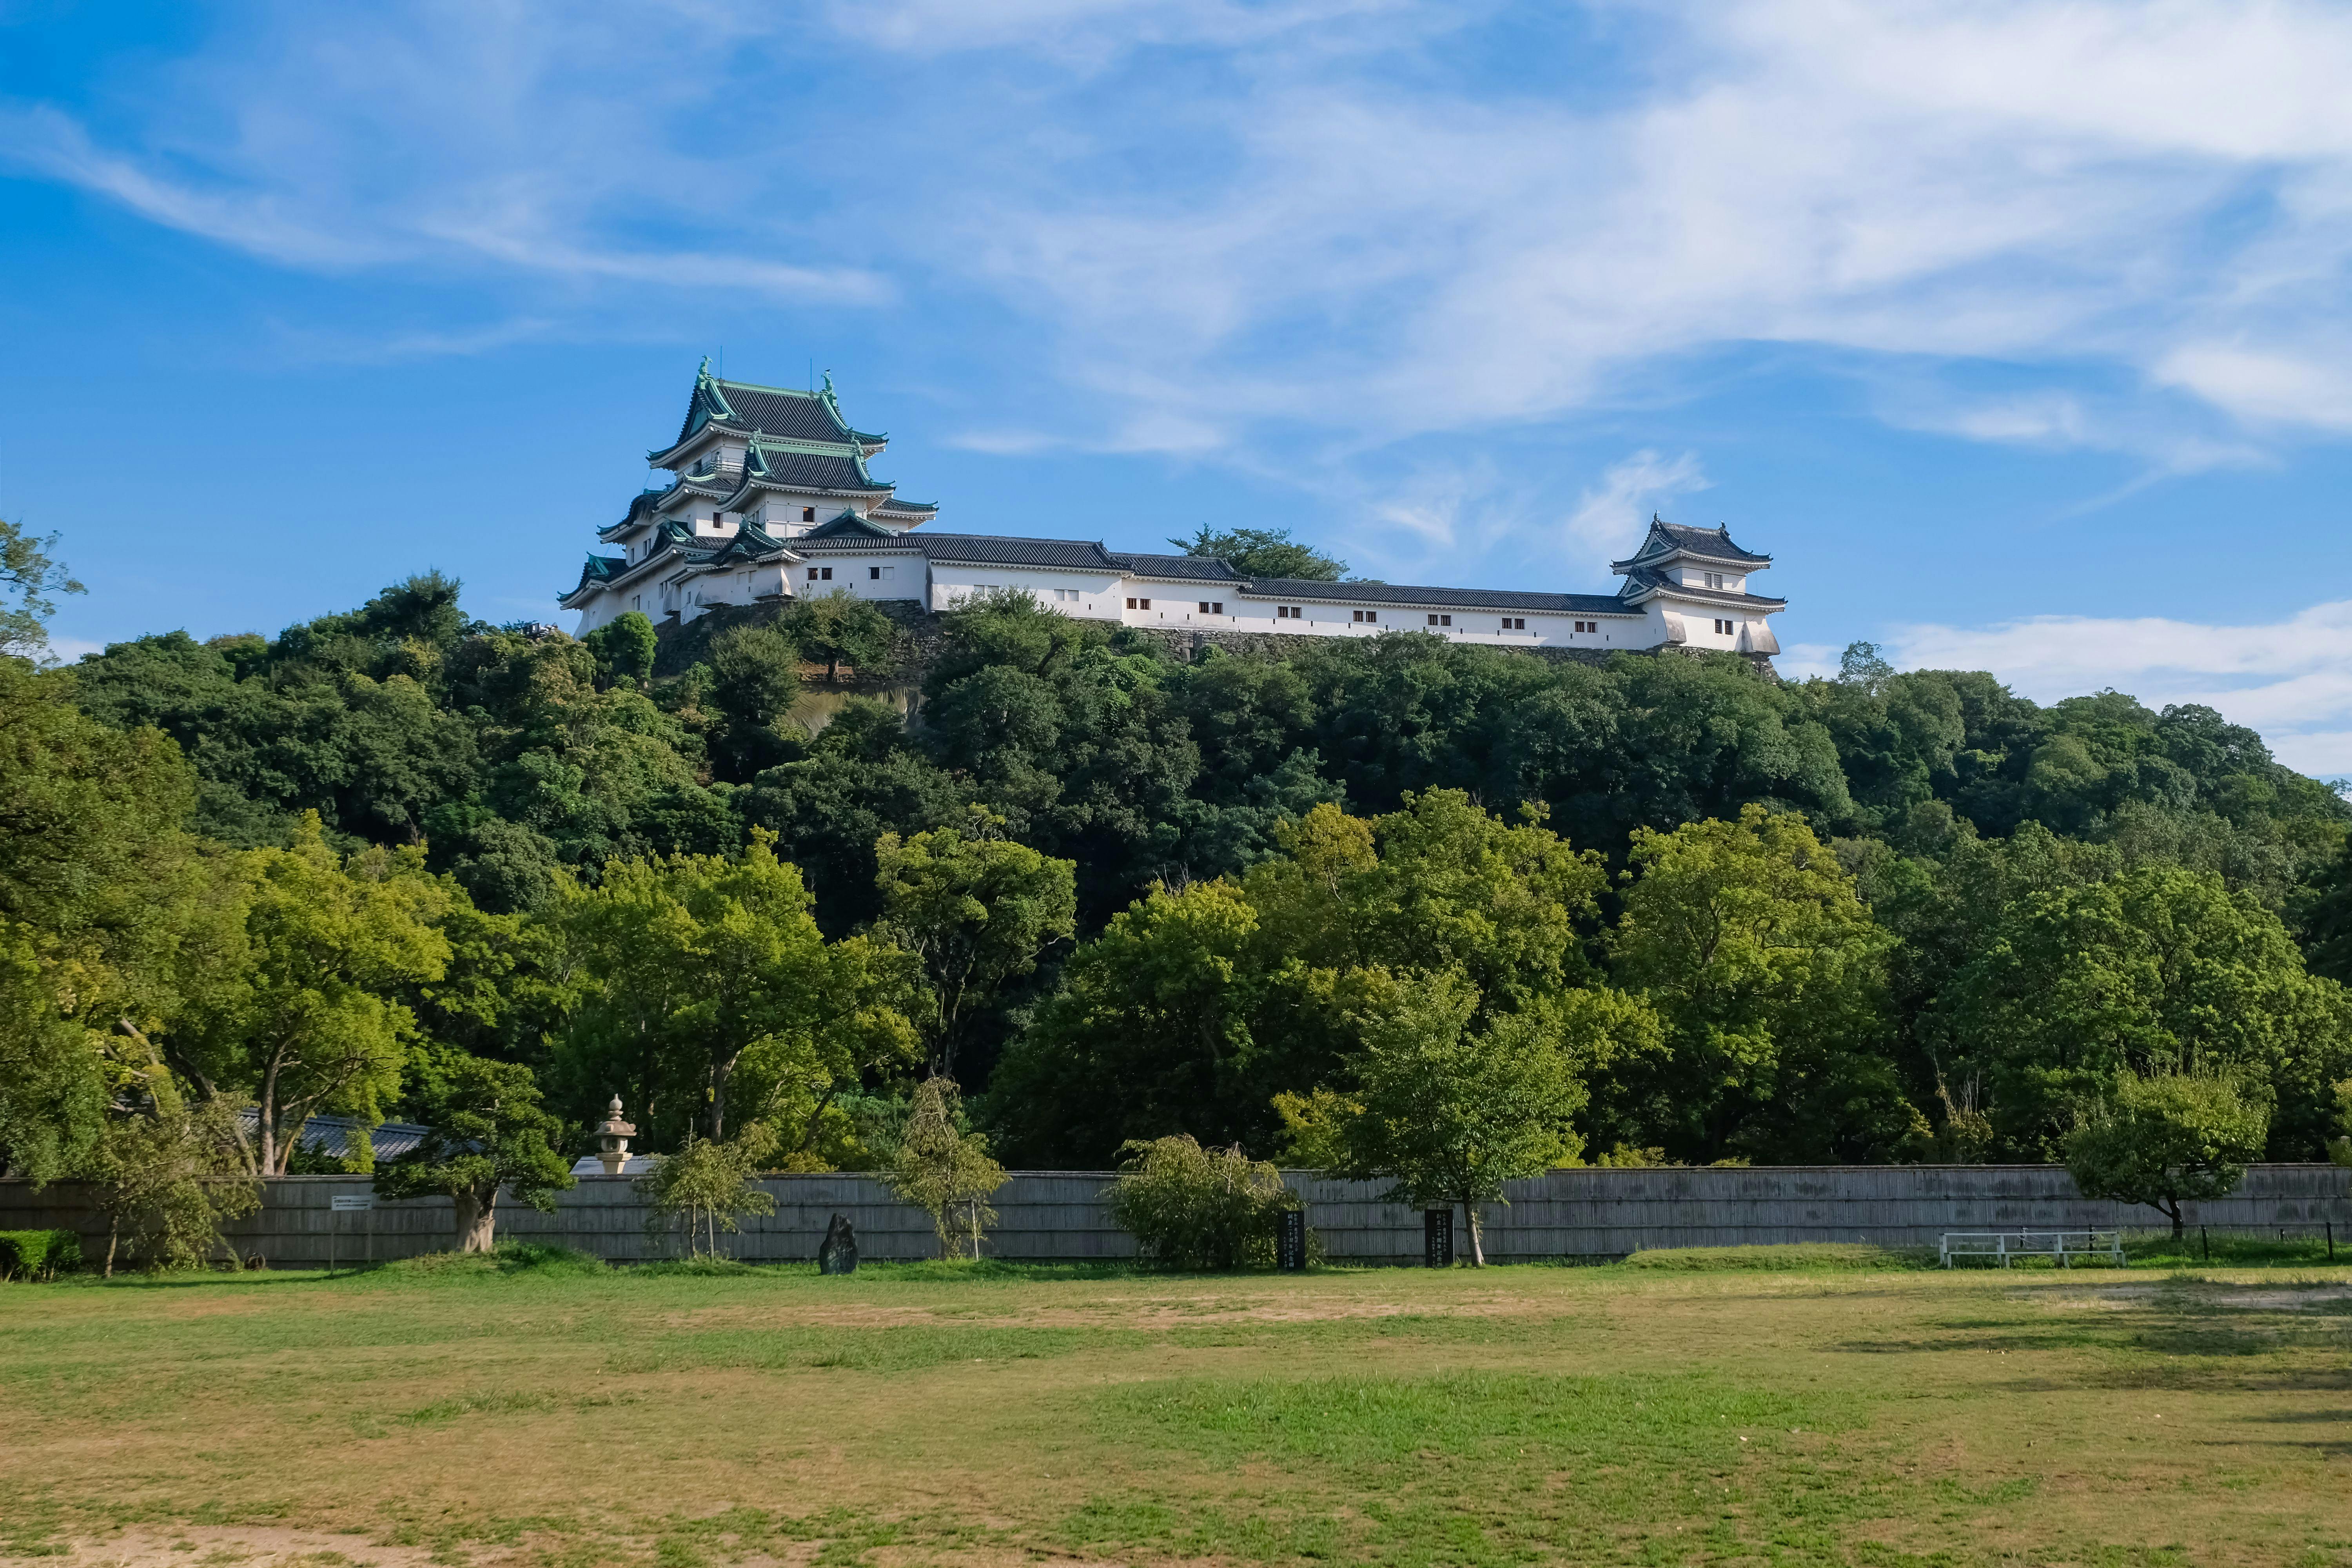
2062 1246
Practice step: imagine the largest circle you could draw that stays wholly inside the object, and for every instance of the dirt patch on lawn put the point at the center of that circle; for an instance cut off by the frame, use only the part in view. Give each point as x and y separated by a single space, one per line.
219 1546
1148 1315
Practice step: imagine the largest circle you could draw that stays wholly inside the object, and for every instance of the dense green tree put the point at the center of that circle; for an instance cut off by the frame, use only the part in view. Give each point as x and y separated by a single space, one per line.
486 1134
1447 1111
624 648
310 1023
1151 1032
1195 1008
1264 552
862 777
977 911
1751 941
2165 1141
2162 971
692 963
840 626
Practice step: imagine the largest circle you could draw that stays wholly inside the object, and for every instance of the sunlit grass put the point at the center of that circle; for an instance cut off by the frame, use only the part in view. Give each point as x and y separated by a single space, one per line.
1832 1404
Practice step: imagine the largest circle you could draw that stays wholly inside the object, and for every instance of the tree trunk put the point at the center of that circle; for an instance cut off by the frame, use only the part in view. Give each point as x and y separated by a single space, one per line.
477 1219
2179 1227
1477 1234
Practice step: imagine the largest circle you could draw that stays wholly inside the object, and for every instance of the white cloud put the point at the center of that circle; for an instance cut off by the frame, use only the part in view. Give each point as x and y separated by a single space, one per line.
2287 679
1609 519
1295 212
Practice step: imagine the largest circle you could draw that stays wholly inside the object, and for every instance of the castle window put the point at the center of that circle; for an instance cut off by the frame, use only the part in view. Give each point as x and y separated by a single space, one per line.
808 514
1212 606
1441 620
1514 623
1715 579
1368 617
1723 628
1139 604
874 574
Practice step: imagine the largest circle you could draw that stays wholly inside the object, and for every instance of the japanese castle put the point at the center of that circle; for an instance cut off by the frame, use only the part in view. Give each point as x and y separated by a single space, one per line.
769 497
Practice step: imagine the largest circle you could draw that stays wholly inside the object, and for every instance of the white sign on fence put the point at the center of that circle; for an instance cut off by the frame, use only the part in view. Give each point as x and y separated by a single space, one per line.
360 1204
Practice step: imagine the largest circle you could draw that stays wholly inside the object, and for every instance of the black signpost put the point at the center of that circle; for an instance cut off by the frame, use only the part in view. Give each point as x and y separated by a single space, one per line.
1290 1242
1437 1237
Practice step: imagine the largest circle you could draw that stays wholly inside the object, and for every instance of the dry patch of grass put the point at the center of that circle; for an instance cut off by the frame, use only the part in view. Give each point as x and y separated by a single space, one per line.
570 1418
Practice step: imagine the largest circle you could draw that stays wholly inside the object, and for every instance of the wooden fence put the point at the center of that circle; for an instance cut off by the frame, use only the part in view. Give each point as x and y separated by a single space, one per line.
1587 1214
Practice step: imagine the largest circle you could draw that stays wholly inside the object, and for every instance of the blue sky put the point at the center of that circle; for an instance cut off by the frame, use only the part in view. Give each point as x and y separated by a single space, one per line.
2010 330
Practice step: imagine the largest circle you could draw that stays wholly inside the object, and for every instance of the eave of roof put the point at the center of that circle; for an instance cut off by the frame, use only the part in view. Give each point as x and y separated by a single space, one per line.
1668 541
1642 584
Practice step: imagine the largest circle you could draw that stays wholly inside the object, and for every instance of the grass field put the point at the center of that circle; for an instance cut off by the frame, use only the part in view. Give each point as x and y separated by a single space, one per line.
1825 1408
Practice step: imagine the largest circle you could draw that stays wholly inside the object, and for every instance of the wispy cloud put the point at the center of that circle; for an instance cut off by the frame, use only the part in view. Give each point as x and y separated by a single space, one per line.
1240 229
2287 679
1608 518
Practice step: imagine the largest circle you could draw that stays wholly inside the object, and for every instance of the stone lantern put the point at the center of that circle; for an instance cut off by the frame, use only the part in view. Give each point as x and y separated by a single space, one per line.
613 1140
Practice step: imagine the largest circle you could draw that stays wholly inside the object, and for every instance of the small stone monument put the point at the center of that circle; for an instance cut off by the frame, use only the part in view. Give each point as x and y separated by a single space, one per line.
1290 1242
613 1140
838 1253
1437 1237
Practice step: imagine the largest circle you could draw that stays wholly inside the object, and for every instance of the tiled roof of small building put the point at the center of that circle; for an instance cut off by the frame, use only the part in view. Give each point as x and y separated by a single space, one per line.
999 550
1714 544
1184 568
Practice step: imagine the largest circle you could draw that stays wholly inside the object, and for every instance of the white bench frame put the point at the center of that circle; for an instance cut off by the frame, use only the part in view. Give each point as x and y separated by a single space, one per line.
2062 1247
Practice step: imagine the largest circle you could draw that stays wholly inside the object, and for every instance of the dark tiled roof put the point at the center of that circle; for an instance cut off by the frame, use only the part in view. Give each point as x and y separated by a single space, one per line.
748 542
334 1135
997 550
777 410
813 470
849 526
909 508
795 415
598 569
1188 568
1304 589
1641 577
1714 544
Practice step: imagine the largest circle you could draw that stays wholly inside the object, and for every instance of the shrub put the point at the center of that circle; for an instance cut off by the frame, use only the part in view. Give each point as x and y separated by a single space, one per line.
706 1184
1190 1207
37 1254
944 1169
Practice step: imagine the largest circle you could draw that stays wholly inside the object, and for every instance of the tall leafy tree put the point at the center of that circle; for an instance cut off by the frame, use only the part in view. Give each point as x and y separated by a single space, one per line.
2167 1141
311 1024
2160 972
693 962
485 1133
977 911
1448 1112
1770 973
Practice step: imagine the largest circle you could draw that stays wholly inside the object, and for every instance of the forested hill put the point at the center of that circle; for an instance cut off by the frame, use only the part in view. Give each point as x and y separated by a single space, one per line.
522 760
510 752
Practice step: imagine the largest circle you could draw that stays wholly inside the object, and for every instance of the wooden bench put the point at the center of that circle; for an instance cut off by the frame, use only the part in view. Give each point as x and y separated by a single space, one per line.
2062 1246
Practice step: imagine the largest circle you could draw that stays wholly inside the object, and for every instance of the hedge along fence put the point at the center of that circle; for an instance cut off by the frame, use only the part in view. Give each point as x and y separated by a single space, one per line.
37 1254
1577 1214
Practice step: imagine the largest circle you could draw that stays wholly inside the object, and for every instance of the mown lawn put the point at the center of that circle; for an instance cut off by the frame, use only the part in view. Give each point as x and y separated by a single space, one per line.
1826 1409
